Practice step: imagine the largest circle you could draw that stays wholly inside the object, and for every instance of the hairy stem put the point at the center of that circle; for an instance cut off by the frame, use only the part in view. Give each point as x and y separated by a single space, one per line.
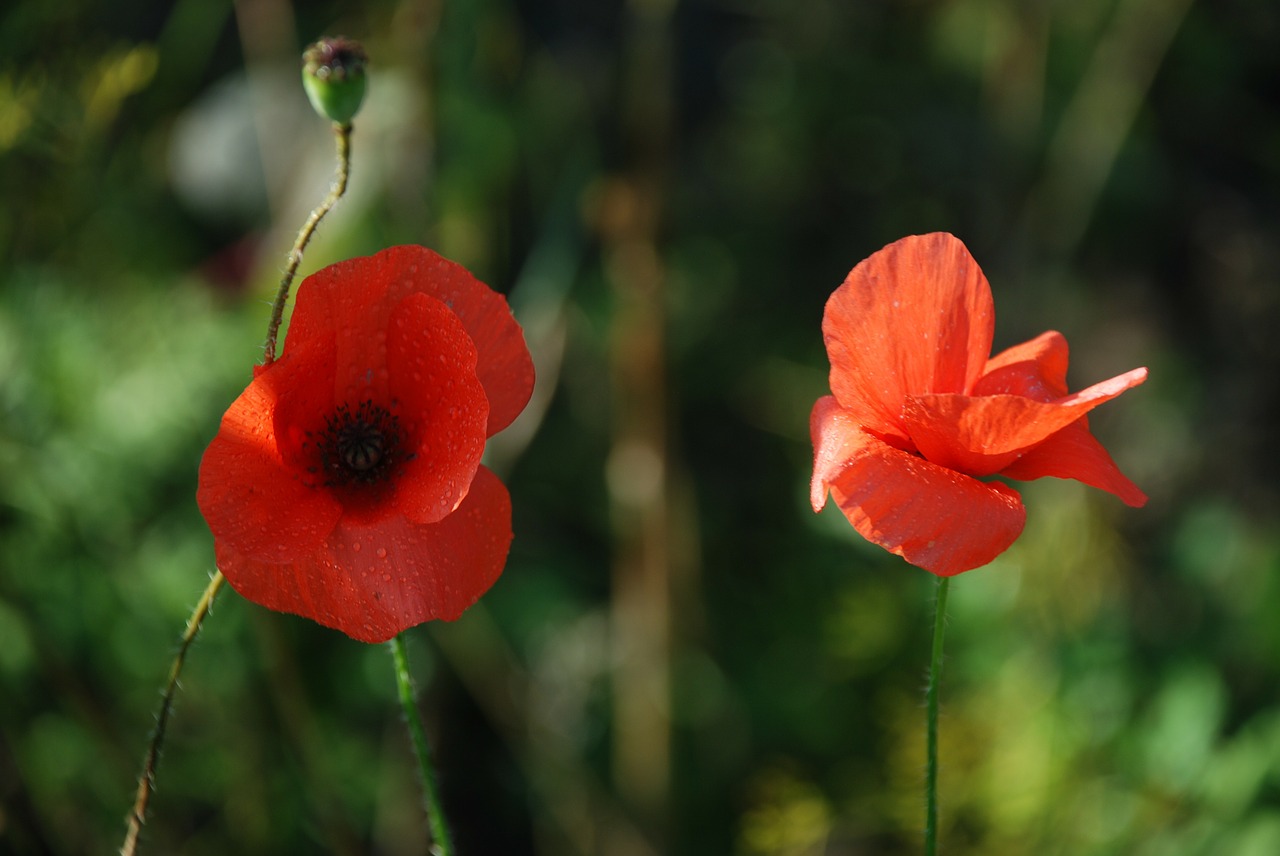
146 782
931 732
343 135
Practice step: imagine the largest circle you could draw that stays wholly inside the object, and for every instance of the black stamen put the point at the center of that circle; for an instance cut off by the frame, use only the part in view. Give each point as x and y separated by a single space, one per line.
360 447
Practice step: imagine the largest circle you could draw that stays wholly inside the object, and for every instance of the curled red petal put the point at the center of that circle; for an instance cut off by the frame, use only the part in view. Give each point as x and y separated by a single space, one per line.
981 436
431 374
353 300
302 380
836 438
914 318
1035 369
255 499
935 518
374 581
505 367
1074 453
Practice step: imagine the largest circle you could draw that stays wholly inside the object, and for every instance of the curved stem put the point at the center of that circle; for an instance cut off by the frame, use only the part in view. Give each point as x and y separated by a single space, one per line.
441 846
146 782
931 736
343 134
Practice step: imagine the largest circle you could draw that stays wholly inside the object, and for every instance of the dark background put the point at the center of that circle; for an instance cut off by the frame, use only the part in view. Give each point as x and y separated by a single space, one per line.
680 657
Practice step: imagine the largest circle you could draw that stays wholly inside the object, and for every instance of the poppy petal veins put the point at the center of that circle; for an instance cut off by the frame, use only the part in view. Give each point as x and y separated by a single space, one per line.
1036 369
1074 453
916 317
919 412
934 517
982 435
836 436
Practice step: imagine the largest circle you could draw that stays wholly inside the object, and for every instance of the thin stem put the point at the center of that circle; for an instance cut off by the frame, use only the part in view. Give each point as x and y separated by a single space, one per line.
442 845
343 135
931 738
146 782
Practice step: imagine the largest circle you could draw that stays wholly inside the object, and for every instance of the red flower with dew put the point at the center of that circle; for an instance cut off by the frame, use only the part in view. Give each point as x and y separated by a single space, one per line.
920 415
345 482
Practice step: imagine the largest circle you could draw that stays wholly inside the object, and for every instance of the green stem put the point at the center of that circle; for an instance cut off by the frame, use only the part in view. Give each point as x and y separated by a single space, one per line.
343 135
442 846
147 781
931 738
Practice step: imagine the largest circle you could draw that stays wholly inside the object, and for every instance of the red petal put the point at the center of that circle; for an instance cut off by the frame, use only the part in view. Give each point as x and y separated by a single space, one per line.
353 299
303 384
256 500
981 436
431 364
914 318
935 518
836 438
1035 369
1074 453
374 581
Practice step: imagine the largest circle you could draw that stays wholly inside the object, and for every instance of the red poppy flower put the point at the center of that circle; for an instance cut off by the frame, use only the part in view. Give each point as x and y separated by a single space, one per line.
345 483
920 416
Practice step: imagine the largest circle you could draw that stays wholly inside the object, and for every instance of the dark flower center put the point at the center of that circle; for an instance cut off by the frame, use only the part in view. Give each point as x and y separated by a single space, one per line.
360 446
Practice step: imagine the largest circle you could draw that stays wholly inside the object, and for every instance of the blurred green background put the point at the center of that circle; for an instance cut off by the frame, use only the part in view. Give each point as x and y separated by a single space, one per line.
681 657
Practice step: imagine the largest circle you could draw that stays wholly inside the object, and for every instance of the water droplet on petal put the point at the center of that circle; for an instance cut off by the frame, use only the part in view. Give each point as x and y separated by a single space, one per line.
356 547
382 552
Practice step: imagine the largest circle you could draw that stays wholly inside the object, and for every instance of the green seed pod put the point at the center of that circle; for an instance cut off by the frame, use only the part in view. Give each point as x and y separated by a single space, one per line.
333 73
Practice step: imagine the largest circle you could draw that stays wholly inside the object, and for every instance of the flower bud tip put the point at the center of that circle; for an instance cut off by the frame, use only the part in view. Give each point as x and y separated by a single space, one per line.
333 74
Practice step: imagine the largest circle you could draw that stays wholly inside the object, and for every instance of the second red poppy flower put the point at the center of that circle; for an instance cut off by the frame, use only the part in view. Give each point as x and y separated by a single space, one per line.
345 483
920 417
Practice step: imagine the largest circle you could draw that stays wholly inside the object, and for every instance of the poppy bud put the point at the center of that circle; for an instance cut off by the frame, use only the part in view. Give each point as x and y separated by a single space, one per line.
333 75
